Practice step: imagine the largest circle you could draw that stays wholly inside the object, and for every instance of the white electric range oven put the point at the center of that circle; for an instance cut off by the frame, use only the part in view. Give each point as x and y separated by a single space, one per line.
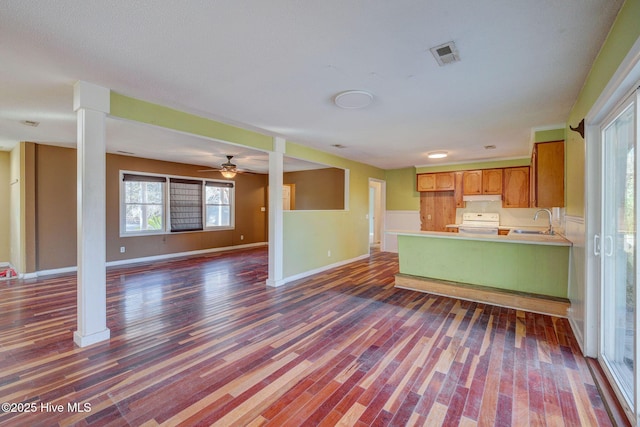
479 223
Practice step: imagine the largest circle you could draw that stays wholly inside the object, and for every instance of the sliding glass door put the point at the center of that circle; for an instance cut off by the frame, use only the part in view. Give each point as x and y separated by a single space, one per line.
618 341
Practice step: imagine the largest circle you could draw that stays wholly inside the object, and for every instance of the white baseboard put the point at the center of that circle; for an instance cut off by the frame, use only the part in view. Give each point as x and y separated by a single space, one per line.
577 332
65 270
182 254
323 268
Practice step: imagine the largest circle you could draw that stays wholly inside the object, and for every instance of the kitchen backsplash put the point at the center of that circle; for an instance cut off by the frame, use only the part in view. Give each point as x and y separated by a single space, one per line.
512 217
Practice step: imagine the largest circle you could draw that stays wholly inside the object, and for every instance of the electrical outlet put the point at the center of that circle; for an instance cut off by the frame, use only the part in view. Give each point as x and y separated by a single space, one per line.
329 253
262 209
429 216
122 249
242 237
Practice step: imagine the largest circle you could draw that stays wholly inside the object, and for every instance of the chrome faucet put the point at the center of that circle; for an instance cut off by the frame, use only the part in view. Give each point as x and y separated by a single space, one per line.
535 217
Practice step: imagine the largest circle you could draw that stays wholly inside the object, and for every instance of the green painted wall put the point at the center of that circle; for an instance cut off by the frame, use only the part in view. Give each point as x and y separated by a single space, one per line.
494 164
623 34
401 192
537 269
309 236
550 135
146 112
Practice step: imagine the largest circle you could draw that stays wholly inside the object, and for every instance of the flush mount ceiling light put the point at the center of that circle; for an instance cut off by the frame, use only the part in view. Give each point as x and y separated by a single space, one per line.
437 155
353 99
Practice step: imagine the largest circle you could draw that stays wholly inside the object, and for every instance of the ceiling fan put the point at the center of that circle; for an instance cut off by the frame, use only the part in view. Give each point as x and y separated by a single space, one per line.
227 169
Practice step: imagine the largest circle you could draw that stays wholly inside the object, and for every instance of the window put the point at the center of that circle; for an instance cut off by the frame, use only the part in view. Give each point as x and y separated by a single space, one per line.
218 197
152 204
143 203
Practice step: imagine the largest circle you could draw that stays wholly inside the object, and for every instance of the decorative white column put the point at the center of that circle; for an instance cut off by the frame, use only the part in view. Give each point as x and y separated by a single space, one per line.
91 103
276 223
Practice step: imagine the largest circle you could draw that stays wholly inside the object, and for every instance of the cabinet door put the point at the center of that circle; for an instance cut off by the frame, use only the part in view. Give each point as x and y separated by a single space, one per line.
550 174
492 181
445 181
516 188
426 182
457 193
472 182
533 201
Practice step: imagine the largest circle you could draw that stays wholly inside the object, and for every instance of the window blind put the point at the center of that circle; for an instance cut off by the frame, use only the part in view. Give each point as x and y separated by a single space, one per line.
185 204
142 178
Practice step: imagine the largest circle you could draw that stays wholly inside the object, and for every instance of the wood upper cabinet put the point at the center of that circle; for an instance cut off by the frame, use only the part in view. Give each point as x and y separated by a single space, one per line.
484 181
472 183
548 171
492 181
516 187
443 181
457 193
426 182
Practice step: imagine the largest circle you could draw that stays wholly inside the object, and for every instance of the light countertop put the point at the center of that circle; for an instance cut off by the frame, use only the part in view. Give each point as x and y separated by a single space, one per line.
531 239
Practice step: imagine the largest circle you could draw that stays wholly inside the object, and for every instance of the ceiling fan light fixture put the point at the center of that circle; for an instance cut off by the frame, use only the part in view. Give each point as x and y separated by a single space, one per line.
228 173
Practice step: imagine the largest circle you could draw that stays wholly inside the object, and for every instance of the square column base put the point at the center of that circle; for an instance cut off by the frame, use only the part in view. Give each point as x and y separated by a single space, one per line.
86 340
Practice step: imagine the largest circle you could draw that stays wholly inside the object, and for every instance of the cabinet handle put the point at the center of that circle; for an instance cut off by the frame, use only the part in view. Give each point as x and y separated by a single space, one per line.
596 244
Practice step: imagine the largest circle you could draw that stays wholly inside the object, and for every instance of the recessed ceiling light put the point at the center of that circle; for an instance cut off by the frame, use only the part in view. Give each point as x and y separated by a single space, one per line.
338 146
489 147
437 155
353 99
30 123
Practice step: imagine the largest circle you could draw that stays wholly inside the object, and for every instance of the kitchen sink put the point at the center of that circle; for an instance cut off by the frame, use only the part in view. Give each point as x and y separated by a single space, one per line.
528 232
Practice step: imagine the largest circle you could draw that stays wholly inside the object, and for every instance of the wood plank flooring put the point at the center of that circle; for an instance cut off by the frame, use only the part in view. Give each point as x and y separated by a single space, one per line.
202 341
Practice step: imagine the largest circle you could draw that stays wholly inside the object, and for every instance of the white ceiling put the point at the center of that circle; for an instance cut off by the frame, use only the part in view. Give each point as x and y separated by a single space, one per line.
275 66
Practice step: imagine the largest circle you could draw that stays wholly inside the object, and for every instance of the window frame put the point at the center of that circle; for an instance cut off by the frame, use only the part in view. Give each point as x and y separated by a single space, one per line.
123 206
232 204
166 204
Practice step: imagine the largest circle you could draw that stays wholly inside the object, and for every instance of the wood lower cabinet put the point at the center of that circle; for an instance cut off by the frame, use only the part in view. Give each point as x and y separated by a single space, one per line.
437 210
516 187
443 181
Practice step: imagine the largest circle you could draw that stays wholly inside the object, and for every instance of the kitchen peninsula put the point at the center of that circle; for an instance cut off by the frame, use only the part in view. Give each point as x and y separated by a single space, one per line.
513 266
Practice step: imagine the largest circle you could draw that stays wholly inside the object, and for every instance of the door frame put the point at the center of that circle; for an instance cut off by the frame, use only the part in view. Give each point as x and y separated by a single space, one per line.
379 204
622 84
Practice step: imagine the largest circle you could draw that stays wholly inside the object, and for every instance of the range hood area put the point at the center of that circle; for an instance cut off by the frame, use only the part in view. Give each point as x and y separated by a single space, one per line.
483 198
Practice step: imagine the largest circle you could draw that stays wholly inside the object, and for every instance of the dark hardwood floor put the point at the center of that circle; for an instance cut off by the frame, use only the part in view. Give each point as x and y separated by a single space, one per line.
202 340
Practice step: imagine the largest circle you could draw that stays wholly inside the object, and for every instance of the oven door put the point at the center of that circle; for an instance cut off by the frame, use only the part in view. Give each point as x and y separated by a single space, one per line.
477 230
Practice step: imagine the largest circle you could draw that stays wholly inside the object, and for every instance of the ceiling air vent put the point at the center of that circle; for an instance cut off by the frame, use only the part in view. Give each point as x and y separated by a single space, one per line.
445 53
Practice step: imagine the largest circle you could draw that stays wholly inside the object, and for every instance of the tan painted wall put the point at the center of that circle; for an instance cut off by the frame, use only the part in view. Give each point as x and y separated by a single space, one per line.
56 210
55 207
318 189
15 211
5 197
